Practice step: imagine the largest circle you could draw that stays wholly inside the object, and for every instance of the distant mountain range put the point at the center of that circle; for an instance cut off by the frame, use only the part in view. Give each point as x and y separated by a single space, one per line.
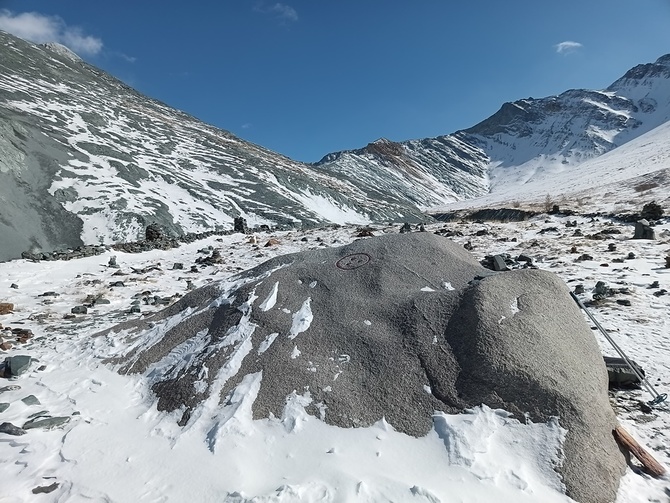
84 158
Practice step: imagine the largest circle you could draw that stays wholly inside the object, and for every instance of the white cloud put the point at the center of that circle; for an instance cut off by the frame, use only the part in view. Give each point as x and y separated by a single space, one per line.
282 11
247 125
40 28
567 47
129 59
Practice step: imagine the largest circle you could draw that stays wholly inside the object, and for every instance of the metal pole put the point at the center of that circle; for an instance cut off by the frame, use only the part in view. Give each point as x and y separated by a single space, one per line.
657 398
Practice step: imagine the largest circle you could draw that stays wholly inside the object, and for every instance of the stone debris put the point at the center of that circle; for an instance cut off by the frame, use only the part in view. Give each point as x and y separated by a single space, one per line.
17 365
31 400
46 423
643 230
10 429
46 489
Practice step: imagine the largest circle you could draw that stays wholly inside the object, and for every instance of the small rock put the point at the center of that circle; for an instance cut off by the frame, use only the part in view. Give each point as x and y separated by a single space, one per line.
524 258
272 242
631 256
579 289
4 406
46 489
47 423
31 400
12 387
623 302
112 263
135 309
18 364
364 232
102 301
10 429
79 310
405 228
6 308
177 266
652 211
14 286
643 230
601 288
499 263
6 346
117 284
660 293
240 225
611 247
153 232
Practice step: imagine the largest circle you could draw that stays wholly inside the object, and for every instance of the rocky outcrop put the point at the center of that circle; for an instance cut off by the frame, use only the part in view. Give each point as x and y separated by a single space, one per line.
392 327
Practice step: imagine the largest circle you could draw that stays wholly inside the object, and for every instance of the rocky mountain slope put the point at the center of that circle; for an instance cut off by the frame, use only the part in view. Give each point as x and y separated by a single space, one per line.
523 141
86 159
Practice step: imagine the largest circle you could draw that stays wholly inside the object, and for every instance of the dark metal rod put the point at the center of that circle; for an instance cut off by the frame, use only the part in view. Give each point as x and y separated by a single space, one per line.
657 398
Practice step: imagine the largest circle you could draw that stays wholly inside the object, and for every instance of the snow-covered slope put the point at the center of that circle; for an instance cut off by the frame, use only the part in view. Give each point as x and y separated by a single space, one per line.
87 158
619 181
532 137
524 141
427 172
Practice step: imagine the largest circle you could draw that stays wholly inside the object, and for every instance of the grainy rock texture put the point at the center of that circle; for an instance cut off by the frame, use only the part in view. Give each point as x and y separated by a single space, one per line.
395 326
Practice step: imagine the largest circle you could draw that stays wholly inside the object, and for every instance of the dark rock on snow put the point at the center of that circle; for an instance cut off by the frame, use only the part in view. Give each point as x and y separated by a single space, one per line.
31 400
17 365
643 230
10 429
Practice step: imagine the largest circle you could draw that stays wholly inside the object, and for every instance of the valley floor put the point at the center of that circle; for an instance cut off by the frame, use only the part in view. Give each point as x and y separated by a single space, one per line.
115 446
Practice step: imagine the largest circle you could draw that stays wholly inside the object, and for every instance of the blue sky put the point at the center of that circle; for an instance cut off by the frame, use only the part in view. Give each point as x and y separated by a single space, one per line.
309 77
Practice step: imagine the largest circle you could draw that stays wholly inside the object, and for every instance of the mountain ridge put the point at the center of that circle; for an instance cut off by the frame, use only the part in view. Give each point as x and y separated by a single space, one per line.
86 158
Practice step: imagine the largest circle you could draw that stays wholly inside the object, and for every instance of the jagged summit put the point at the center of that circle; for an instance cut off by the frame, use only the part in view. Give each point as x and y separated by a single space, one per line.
664 60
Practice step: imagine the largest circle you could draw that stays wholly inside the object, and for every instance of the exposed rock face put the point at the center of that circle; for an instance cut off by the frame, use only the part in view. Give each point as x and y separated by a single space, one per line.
363 331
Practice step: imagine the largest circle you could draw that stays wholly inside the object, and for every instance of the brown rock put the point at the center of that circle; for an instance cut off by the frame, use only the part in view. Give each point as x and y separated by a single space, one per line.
272 242
6 308
6 346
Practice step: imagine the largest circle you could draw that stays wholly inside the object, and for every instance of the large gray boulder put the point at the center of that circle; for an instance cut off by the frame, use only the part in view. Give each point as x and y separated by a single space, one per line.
368 328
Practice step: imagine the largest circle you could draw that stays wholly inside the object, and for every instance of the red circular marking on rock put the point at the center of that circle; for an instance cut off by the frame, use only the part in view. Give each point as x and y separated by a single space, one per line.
353 261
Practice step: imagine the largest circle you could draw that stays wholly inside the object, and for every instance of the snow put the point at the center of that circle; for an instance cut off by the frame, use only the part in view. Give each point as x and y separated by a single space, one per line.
118 447
302 319
330 209
605 183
